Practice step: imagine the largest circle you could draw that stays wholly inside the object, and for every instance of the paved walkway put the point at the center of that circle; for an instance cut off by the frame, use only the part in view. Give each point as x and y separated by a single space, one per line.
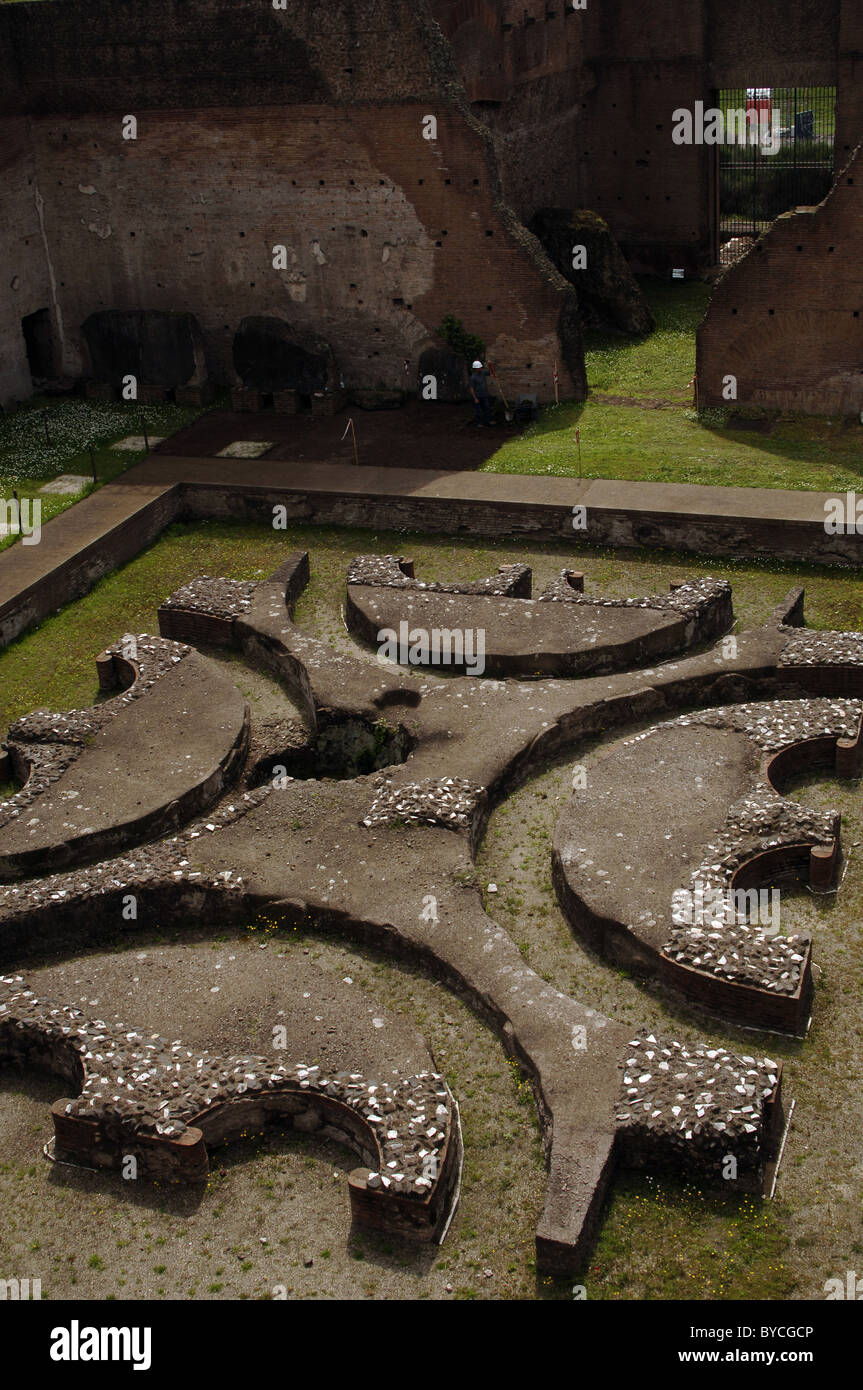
739 503
74 531
89 526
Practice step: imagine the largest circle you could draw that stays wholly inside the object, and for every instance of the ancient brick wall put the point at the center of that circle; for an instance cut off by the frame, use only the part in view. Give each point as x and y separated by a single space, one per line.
301 129
385 232
849 115
25 287
786 319
580 103
793 41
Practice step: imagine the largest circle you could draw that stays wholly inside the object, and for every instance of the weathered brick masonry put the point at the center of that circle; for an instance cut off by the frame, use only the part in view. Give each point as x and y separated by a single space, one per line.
259 128
580 102
303 128
785 320
25 284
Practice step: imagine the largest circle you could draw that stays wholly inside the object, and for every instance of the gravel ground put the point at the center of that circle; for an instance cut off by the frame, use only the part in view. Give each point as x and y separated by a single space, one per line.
276 1201
663 1239
88 1235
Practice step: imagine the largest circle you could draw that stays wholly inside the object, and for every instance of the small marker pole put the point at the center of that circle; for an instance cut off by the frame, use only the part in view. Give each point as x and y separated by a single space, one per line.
45 423
93 464
146 436
556 385
578 442
350 426
500 389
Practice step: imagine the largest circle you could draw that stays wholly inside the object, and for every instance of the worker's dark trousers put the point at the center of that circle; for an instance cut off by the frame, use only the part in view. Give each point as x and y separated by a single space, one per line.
482 411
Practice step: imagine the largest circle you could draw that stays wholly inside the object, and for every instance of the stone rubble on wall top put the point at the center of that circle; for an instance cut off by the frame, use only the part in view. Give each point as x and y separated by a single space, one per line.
689 599
446 801
134 1085
154 865
385 571
696 1097
742 952
805 647
219 598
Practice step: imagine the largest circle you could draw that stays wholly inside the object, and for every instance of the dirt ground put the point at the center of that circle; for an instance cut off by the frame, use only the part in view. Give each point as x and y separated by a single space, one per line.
275 1212
412 437
273 1203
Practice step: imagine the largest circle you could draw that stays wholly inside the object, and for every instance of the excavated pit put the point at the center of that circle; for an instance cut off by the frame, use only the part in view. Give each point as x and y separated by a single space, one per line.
340 751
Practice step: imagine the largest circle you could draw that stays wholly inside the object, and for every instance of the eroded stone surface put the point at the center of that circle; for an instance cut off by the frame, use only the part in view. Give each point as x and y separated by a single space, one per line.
49 742
134 1085
103 777
702 1101
563 632
405 881
716 940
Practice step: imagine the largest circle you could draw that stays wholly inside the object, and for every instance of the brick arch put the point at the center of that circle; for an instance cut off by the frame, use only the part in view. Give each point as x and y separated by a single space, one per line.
334 1118
184 1101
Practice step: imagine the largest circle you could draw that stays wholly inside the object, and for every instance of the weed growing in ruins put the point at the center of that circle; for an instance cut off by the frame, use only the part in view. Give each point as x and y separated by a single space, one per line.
454 333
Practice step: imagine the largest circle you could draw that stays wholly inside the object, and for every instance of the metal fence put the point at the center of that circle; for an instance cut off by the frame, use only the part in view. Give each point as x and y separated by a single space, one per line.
776 154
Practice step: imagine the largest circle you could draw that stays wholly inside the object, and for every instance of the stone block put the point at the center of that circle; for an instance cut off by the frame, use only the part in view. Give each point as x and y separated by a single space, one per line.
286 402
328 402
201 395
247 399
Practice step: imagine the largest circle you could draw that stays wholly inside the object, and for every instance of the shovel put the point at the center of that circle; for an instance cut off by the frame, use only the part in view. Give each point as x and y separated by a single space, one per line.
507 411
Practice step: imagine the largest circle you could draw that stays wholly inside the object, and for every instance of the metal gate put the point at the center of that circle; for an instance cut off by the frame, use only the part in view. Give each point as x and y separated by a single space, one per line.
776 154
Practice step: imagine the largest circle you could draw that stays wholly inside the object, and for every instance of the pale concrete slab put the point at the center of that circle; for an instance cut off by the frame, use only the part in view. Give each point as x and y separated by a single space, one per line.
246 449
67 485
134 443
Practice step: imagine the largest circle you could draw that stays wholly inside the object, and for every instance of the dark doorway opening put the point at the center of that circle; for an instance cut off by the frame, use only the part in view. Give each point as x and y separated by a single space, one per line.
40 345
776 155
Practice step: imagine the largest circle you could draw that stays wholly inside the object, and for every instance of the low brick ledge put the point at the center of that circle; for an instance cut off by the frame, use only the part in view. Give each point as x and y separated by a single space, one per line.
406 1133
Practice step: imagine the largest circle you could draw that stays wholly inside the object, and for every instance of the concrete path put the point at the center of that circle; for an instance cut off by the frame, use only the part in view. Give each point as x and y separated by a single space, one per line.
529 490
114 524
79 546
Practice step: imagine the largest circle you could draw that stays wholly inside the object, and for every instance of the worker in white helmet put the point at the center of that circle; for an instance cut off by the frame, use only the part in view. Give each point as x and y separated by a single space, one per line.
479 394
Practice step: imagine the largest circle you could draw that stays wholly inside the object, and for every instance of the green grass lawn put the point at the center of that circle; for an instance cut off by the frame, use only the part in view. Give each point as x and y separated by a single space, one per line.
50 436
660 366
127 600
672 443
659 1239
